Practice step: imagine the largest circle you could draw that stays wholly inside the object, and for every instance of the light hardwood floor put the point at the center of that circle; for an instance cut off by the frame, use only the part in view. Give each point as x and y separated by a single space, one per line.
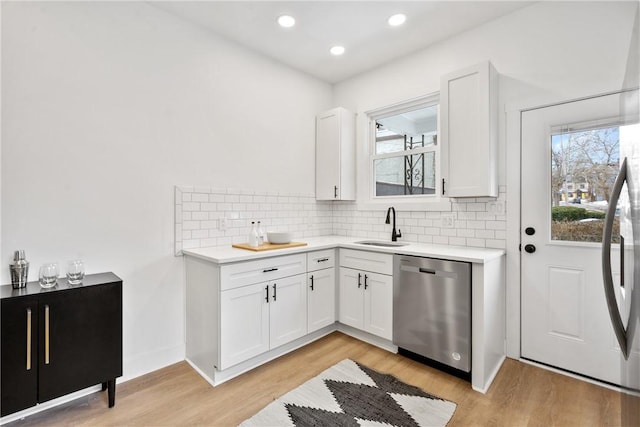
521 395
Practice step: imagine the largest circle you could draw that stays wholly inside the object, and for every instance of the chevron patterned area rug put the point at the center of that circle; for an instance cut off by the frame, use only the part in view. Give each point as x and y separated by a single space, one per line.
350 394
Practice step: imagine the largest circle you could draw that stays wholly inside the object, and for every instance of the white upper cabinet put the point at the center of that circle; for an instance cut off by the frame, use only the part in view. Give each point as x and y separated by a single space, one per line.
469 132
335 155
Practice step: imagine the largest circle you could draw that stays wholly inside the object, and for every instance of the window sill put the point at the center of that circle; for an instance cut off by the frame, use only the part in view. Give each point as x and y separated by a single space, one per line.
442 205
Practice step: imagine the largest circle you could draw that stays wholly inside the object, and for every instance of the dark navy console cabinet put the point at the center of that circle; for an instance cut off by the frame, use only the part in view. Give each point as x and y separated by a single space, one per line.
59 340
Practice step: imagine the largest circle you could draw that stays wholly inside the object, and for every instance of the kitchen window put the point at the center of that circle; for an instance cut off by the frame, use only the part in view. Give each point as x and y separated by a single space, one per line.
404 153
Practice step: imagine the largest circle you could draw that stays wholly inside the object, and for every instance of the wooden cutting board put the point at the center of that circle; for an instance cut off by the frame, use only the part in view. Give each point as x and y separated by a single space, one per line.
268 246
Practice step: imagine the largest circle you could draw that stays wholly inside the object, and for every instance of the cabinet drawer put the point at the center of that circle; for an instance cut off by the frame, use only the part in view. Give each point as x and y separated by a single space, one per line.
319 260
261 270
368 261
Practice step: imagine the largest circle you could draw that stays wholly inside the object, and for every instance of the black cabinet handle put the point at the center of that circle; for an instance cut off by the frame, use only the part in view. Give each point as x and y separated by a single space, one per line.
335 191
323 259
266 288
270 269
274 291
359 284
365 281
312 282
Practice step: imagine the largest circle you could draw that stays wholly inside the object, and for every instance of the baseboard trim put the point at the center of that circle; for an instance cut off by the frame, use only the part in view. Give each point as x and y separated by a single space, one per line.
367 337
491 377
241 368
50 404
142 364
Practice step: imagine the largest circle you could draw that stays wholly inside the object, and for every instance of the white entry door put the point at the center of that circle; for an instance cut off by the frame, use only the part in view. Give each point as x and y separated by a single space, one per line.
570 159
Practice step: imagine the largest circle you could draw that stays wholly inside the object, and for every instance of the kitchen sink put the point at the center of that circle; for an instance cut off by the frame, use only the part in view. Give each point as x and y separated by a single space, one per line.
381 243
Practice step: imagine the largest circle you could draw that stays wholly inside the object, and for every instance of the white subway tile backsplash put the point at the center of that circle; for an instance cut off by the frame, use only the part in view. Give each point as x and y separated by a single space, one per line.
485 234
199 216
457 241
199 234
479 243
200 197
465 232
440 240
477 207
191 225
190 206
198 210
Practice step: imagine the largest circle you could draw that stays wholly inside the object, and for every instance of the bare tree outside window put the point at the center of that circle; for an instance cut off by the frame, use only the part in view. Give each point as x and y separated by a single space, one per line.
584 165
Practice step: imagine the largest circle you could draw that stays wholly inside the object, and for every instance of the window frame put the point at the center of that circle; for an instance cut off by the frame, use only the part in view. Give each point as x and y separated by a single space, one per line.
367 198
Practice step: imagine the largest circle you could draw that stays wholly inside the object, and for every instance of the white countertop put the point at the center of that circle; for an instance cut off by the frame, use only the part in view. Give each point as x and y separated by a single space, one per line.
227 254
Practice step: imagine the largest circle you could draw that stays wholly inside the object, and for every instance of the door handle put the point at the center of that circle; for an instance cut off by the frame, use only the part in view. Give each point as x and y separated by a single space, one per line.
266 288
311 282
530 231
609 291
335 191
359 276
426 270
28 339
46 335
274 291
529 248
365 281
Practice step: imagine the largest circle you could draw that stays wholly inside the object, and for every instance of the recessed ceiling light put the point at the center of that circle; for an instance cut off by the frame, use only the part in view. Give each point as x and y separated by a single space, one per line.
337 50
286 21
397 19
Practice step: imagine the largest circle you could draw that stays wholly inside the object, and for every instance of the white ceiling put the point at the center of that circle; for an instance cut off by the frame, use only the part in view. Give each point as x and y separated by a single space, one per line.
360 26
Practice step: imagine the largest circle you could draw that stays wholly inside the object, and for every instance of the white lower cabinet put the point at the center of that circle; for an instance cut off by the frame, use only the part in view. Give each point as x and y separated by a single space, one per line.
366 301
287 310
321 299
260 317
244 324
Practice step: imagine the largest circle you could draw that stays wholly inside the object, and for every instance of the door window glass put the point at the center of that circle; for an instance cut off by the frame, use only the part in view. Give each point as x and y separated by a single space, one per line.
584 166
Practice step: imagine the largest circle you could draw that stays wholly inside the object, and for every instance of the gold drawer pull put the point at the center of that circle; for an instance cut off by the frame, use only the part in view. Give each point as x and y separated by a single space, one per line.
28 339
46 334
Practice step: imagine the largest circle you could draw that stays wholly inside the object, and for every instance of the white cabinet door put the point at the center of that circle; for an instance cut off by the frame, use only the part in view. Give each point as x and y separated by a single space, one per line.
321 299
351 298
244 324
378 304
335 155
469 118
287 309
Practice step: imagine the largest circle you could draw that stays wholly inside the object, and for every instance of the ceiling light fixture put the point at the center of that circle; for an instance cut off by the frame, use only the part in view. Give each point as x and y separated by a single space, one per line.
286 21
337 50
397 19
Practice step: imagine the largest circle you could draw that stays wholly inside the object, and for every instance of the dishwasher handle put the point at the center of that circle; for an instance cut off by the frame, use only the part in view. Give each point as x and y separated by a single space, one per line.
438 273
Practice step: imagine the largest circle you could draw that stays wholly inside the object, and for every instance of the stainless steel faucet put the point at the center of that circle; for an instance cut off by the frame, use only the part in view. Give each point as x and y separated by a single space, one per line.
394 234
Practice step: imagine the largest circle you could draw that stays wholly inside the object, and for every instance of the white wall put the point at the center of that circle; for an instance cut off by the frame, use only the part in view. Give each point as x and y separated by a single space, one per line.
106 106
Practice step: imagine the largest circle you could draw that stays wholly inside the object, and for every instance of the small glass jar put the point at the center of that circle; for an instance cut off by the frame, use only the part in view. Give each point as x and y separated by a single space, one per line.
49 275
75 271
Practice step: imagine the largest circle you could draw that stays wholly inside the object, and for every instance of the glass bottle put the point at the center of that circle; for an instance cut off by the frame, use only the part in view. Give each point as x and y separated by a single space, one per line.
253 235
260 235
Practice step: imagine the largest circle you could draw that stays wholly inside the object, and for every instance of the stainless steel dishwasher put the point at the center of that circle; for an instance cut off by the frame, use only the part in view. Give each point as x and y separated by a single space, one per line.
432 310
